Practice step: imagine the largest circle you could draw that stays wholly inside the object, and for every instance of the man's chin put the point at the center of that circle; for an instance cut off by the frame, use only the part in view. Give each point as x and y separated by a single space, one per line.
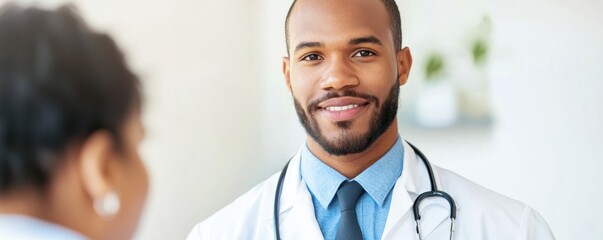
349 130
334 129
344 143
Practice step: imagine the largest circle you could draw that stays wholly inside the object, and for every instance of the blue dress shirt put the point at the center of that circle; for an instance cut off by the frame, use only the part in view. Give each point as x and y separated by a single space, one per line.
373 206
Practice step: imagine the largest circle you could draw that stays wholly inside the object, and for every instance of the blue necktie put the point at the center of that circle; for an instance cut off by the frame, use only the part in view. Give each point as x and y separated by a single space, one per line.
348 195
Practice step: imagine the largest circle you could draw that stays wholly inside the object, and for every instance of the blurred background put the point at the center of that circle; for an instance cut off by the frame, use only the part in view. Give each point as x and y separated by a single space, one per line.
507 93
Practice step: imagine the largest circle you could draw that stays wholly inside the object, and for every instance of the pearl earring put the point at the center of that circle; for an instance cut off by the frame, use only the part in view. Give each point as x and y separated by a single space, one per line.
108 205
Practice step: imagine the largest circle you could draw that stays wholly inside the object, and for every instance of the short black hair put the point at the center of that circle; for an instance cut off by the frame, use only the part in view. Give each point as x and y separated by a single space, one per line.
395 24
59 83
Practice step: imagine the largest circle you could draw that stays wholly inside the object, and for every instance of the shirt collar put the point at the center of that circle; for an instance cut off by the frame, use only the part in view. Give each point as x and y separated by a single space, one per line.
322 180
377 180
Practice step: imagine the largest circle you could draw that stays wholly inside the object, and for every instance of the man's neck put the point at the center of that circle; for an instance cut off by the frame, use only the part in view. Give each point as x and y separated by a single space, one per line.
352 165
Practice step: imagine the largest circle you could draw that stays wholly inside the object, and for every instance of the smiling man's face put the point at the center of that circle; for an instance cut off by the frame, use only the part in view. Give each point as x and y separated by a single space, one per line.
344 72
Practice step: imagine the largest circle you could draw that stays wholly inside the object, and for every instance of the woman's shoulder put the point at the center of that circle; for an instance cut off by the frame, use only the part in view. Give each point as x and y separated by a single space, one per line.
30 228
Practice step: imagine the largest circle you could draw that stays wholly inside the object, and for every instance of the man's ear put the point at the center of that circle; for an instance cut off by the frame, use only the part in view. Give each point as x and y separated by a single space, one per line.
95 156
404 62
287 71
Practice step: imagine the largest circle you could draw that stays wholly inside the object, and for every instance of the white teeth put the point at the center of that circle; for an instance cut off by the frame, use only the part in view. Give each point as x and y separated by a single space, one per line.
341 108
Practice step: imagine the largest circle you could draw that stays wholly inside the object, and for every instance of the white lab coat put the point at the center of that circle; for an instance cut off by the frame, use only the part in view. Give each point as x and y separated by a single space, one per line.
481 214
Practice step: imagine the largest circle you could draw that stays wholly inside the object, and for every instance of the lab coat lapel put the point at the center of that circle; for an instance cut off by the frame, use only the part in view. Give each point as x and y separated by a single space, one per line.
297 211
414 181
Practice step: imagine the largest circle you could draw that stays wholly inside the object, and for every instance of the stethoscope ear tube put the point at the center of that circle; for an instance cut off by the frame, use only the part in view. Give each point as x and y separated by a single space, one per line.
441 194
434 188
431 194
277 201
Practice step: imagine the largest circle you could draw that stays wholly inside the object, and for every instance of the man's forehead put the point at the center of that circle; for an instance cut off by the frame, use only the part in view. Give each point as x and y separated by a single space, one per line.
326 20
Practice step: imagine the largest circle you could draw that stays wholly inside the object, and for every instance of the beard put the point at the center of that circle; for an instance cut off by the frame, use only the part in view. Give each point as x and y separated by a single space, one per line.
347 142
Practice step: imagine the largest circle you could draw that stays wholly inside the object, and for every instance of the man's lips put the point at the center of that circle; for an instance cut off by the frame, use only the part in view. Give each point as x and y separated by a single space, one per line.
340 102
342 108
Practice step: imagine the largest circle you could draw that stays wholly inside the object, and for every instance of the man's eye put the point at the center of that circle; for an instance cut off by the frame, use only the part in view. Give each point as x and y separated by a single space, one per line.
312 57
364 53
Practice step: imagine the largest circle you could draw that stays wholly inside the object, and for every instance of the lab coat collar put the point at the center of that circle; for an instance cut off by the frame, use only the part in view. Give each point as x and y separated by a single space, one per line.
297 210
293 185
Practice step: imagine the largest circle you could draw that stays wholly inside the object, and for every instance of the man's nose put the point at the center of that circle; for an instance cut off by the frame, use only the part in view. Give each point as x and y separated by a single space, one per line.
340 75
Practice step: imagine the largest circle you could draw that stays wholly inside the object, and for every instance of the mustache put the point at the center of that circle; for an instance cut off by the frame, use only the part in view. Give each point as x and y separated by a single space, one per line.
313 105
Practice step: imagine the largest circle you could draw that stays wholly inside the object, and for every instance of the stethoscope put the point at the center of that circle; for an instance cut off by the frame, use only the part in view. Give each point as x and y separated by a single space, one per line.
415 207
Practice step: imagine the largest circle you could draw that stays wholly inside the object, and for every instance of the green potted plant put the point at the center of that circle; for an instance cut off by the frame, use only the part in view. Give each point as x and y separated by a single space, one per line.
437 105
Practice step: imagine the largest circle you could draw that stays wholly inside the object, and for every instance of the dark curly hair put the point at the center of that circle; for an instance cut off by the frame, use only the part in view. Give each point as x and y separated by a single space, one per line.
59 82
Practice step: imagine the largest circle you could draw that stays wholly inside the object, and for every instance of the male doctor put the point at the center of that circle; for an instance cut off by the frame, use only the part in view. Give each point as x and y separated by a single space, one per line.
356 178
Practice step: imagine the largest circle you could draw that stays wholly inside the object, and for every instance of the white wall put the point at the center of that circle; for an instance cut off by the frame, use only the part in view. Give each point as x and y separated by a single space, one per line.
220 118
549 91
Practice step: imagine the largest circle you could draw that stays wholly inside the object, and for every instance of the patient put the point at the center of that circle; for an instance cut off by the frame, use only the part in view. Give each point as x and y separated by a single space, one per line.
69 130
